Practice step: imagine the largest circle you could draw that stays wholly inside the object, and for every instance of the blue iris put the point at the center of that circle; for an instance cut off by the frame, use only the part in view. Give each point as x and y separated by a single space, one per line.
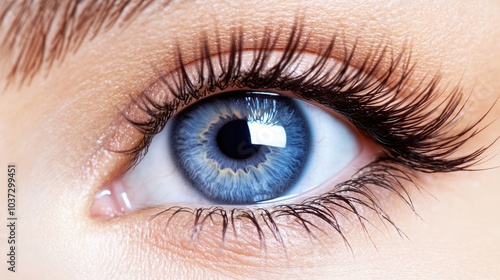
241 147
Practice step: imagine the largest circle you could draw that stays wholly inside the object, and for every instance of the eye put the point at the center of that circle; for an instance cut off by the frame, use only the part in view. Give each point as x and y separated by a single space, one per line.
259 135
240 147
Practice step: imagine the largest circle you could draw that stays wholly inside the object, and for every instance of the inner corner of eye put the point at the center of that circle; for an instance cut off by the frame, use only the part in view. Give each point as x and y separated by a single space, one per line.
236 148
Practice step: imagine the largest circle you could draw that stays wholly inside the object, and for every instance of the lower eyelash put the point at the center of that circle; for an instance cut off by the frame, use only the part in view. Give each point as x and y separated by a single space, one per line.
411 137
345 198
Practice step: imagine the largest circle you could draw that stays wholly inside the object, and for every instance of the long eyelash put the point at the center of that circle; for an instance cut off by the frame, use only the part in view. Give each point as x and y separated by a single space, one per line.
413 128
345 198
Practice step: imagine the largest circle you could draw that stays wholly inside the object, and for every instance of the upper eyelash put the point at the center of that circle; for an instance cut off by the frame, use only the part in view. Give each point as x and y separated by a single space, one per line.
411 139
402 126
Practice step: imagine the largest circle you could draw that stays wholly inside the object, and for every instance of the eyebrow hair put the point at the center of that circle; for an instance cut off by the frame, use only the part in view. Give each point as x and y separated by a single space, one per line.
39 33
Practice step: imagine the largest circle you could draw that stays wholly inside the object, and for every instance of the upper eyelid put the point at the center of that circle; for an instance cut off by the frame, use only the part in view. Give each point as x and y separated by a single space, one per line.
378 61
393 76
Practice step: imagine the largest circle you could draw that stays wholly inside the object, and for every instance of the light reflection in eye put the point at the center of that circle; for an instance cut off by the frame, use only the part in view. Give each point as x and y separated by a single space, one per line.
321 146
265 134
111 202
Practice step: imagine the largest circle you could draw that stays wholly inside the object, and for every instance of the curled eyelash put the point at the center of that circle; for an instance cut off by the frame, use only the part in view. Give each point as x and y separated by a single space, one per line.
346 198
413 127
401 122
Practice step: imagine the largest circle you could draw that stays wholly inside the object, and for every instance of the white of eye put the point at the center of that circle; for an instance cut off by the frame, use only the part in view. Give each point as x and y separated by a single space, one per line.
334 146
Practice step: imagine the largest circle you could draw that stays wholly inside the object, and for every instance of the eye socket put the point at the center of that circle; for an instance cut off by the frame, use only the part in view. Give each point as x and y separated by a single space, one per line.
397 118
234 148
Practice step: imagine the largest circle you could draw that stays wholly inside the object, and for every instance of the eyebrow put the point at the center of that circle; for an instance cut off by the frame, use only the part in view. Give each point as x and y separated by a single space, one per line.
38 33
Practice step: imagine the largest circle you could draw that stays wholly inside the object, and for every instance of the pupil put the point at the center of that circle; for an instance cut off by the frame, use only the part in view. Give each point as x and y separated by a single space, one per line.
234 140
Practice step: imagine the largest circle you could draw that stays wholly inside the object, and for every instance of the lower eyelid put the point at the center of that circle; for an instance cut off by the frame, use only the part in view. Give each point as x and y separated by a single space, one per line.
173 232
167 228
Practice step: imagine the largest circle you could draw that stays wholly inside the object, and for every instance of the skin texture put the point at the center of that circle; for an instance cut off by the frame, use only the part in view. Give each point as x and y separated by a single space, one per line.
50 130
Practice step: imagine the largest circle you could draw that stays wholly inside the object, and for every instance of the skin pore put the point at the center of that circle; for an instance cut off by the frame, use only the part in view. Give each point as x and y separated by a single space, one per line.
51 128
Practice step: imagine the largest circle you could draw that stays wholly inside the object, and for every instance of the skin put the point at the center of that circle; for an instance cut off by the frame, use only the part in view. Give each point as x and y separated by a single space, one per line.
50 130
